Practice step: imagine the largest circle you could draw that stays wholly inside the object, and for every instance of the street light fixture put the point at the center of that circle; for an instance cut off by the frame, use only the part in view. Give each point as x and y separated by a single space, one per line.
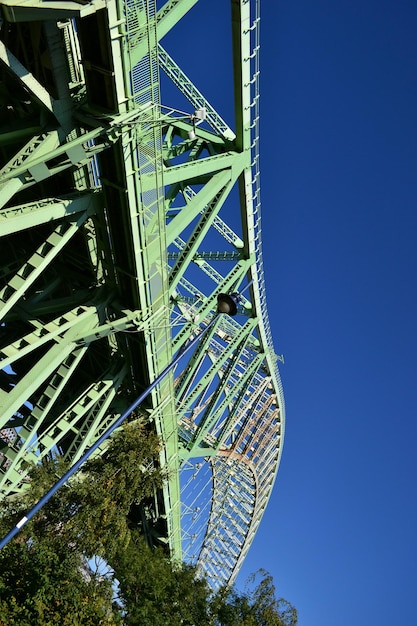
227 303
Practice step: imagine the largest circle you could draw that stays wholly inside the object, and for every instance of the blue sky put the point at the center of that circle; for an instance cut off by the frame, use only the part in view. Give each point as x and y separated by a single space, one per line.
339 189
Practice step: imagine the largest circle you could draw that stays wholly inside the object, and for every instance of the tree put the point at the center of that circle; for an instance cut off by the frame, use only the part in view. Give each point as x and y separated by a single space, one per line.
125 475
44 580
155 591
257 606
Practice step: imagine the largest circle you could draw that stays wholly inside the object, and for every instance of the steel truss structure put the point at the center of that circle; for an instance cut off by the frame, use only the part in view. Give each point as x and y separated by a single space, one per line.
116 237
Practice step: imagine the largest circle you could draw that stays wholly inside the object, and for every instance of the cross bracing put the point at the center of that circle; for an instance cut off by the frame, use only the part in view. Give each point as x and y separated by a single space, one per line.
122 217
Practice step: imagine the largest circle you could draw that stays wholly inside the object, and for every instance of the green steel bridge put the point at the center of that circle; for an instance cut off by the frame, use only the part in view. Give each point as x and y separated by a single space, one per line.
122 217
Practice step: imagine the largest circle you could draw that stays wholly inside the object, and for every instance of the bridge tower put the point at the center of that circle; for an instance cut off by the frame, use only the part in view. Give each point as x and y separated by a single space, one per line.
123 214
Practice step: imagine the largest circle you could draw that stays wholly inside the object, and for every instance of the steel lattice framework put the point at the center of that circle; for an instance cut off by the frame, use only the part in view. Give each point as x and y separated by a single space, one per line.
115 215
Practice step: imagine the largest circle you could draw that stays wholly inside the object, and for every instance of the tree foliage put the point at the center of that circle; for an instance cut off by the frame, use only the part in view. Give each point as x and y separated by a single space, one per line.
44 580
156 591
257 606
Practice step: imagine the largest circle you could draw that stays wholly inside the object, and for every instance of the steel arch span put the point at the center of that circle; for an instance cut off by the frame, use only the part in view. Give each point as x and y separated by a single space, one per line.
122 217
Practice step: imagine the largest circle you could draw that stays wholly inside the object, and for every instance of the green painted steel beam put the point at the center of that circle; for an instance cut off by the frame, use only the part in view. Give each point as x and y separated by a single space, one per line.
208 377
181 126
214 411
189 372
18 218
11 402
37 263
171 13
197 236
193 95
217 256
83 420
241 391
43 334
38 159
36 10
196 171
27 79
241 28
83 334
11 175
165 20
238 431
219 224
97 413
230 283
208 256
208 194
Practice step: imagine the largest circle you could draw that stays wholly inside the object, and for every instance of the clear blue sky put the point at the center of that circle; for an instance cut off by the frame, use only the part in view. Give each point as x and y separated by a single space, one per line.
339 190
